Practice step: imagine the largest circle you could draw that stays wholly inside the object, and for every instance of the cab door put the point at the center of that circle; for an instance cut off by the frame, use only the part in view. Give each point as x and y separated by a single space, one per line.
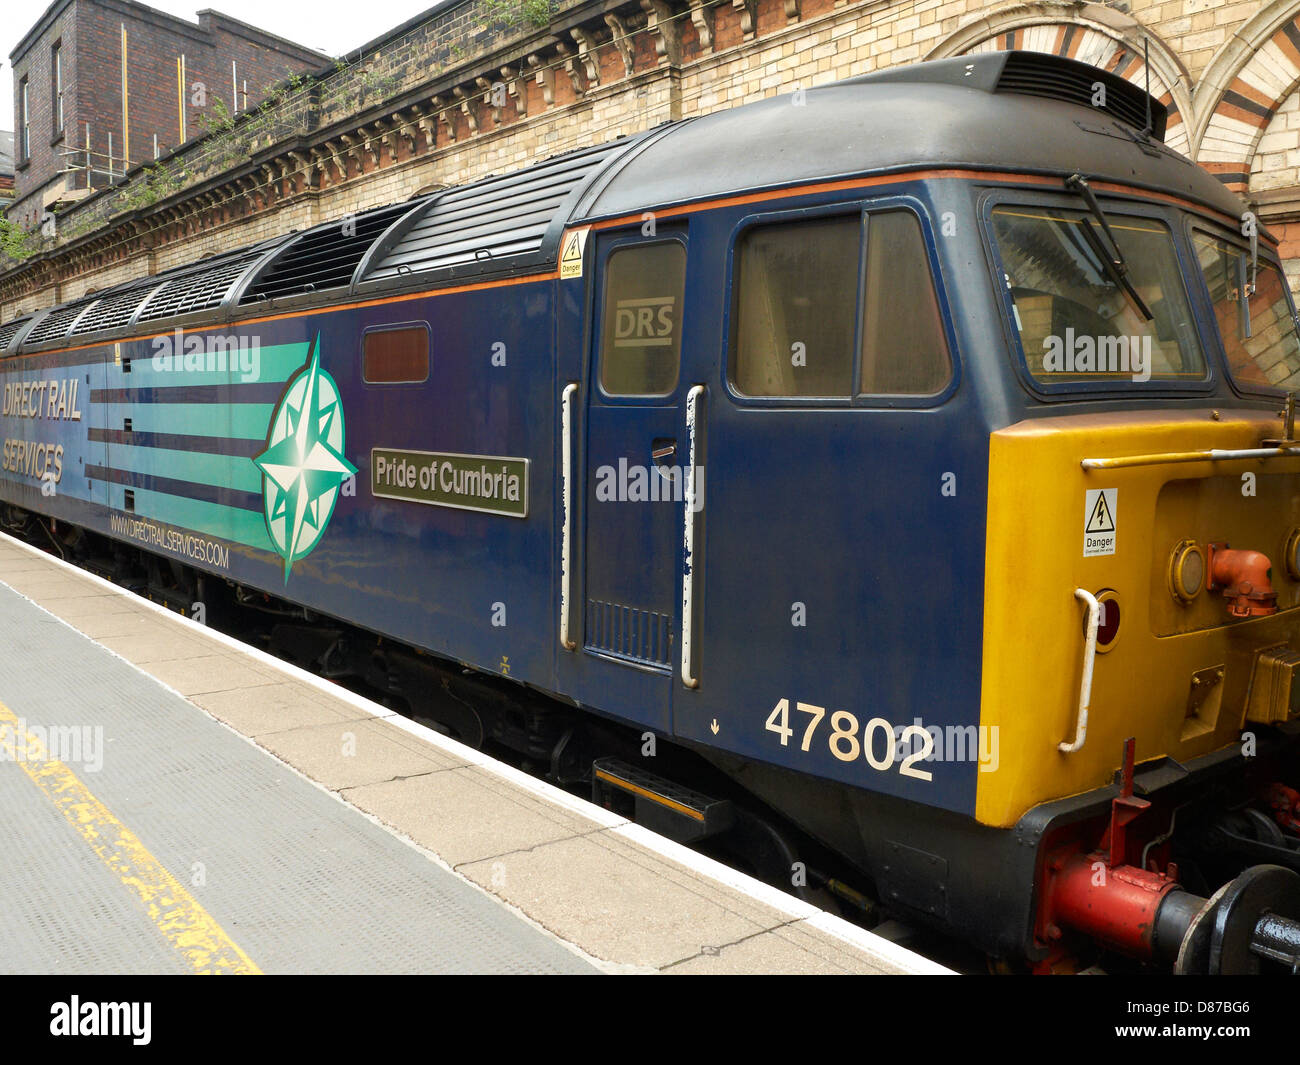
837 558
625 610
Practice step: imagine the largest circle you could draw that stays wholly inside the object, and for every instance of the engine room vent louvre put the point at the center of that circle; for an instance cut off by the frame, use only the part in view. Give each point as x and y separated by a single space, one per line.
500 218
197 291
1039 74
10 330
113 311
322 258
55 325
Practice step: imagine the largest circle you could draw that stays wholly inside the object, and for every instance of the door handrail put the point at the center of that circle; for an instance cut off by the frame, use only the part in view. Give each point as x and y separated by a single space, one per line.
1085 685
690 678
566 505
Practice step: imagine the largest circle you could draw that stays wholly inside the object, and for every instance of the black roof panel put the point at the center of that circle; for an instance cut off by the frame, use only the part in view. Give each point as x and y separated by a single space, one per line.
198 290
321 258
496 223
114 310
55 325
10 330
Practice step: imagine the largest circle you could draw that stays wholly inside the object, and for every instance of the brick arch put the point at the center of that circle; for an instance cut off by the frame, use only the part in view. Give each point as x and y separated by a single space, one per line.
1116 46
1243 87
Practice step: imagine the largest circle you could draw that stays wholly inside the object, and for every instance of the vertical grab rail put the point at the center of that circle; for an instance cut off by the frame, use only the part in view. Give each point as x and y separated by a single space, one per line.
1085 685
694 492
566 504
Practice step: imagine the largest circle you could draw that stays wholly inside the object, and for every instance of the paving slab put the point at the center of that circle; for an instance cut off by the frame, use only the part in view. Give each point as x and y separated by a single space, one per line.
790 950
92 604
626 905
349 754
430 809
210 673
277 707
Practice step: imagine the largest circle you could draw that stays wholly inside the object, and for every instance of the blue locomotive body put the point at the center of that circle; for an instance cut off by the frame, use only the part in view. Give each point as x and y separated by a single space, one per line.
778 495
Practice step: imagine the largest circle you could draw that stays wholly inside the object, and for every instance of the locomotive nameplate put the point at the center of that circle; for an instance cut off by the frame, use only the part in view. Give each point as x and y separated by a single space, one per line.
493 484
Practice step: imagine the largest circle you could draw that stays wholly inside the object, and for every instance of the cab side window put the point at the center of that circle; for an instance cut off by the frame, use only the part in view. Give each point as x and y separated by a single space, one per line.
904 346
835 308
641 326
796 303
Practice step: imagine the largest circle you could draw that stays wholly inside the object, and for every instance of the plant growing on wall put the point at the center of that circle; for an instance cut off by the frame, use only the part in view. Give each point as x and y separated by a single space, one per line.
156 183
513 13
16 242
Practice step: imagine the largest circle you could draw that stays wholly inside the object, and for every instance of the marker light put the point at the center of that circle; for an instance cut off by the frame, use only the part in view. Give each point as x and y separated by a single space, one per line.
1186 571
1293 555
1108 621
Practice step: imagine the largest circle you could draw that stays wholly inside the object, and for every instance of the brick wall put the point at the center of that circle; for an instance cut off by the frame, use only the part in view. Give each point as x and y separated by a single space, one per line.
37 168
91 33
418 110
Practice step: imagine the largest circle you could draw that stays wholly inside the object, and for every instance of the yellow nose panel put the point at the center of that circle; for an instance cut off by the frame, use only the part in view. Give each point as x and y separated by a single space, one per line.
1180 677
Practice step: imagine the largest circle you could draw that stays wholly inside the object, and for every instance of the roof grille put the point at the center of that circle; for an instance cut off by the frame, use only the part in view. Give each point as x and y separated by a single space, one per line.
198 290
10 329
322 258
55 325
113 311
498 218
1040 74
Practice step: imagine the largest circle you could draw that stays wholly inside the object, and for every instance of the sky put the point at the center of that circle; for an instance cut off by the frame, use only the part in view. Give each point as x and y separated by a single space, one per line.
329 26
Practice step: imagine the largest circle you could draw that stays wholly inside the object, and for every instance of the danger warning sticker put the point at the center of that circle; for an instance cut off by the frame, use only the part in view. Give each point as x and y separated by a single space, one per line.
575 243
1099 507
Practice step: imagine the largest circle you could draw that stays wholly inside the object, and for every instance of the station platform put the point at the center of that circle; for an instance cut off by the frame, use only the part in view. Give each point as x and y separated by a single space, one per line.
174 801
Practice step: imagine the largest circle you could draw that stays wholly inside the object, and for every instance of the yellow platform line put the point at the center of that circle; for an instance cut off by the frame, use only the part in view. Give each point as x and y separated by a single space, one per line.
176 913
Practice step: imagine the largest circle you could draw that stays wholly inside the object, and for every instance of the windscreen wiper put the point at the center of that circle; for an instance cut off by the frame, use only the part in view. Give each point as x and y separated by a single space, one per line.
1245 289
1114 264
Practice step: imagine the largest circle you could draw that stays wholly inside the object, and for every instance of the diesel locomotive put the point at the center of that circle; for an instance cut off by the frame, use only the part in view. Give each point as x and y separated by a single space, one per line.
896 483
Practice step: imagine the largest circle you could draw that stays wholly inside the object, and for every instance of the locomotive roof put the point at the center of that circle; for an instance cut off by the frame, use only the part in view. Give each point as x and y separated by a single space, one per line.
994 111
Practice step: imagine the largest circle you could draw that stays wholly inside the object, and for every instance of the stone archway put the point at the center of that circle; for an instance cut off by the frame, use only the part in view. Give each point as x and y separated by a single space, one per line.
1104 37
1242 90
1247 106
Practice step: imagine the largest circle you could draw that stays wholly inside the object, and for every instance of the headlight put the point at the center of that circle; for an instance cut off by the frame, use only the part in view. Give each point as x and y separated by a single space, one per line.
1186 571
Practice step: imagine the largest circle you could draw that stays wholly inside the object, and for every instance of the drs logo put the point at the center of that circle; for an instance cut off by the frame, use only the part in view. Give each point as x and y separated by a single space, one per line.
644 323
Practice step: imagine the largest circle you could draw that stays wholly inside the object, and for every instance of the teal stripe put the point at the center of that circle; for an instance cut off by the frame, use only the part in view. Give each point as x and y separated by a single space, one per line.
244 421
211 519
274 363
221 471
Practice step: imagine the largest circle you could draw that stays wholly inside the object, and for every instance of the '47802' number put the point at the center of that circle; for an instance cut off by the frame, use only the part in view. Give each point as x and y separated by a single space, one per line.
848 745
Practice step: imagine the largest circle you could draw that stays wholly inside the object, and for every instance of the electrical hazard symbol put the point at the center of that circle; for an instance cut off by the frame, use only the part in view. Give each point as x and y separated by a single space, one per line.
1099 521
575 243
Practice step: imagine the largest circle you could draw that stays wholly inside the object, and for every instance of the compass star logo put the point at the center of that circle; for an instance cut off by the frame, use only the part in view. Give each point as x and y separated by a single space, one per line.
303 467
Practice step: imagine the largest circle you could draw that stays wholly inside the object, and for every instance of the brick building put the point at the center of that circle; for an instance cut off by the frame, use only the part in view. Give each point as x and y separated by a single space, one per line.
72 133
467 89
6 169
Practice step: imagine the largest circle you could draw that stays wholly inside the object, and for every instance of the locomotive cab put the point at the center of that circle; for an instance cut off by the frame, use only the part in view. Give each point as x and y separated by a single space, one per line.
1141 631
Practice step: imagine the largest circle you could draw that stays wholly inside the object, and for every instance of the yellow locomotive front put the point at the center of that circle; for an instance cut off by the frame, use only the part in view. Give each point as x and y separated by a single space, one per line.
1142 588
